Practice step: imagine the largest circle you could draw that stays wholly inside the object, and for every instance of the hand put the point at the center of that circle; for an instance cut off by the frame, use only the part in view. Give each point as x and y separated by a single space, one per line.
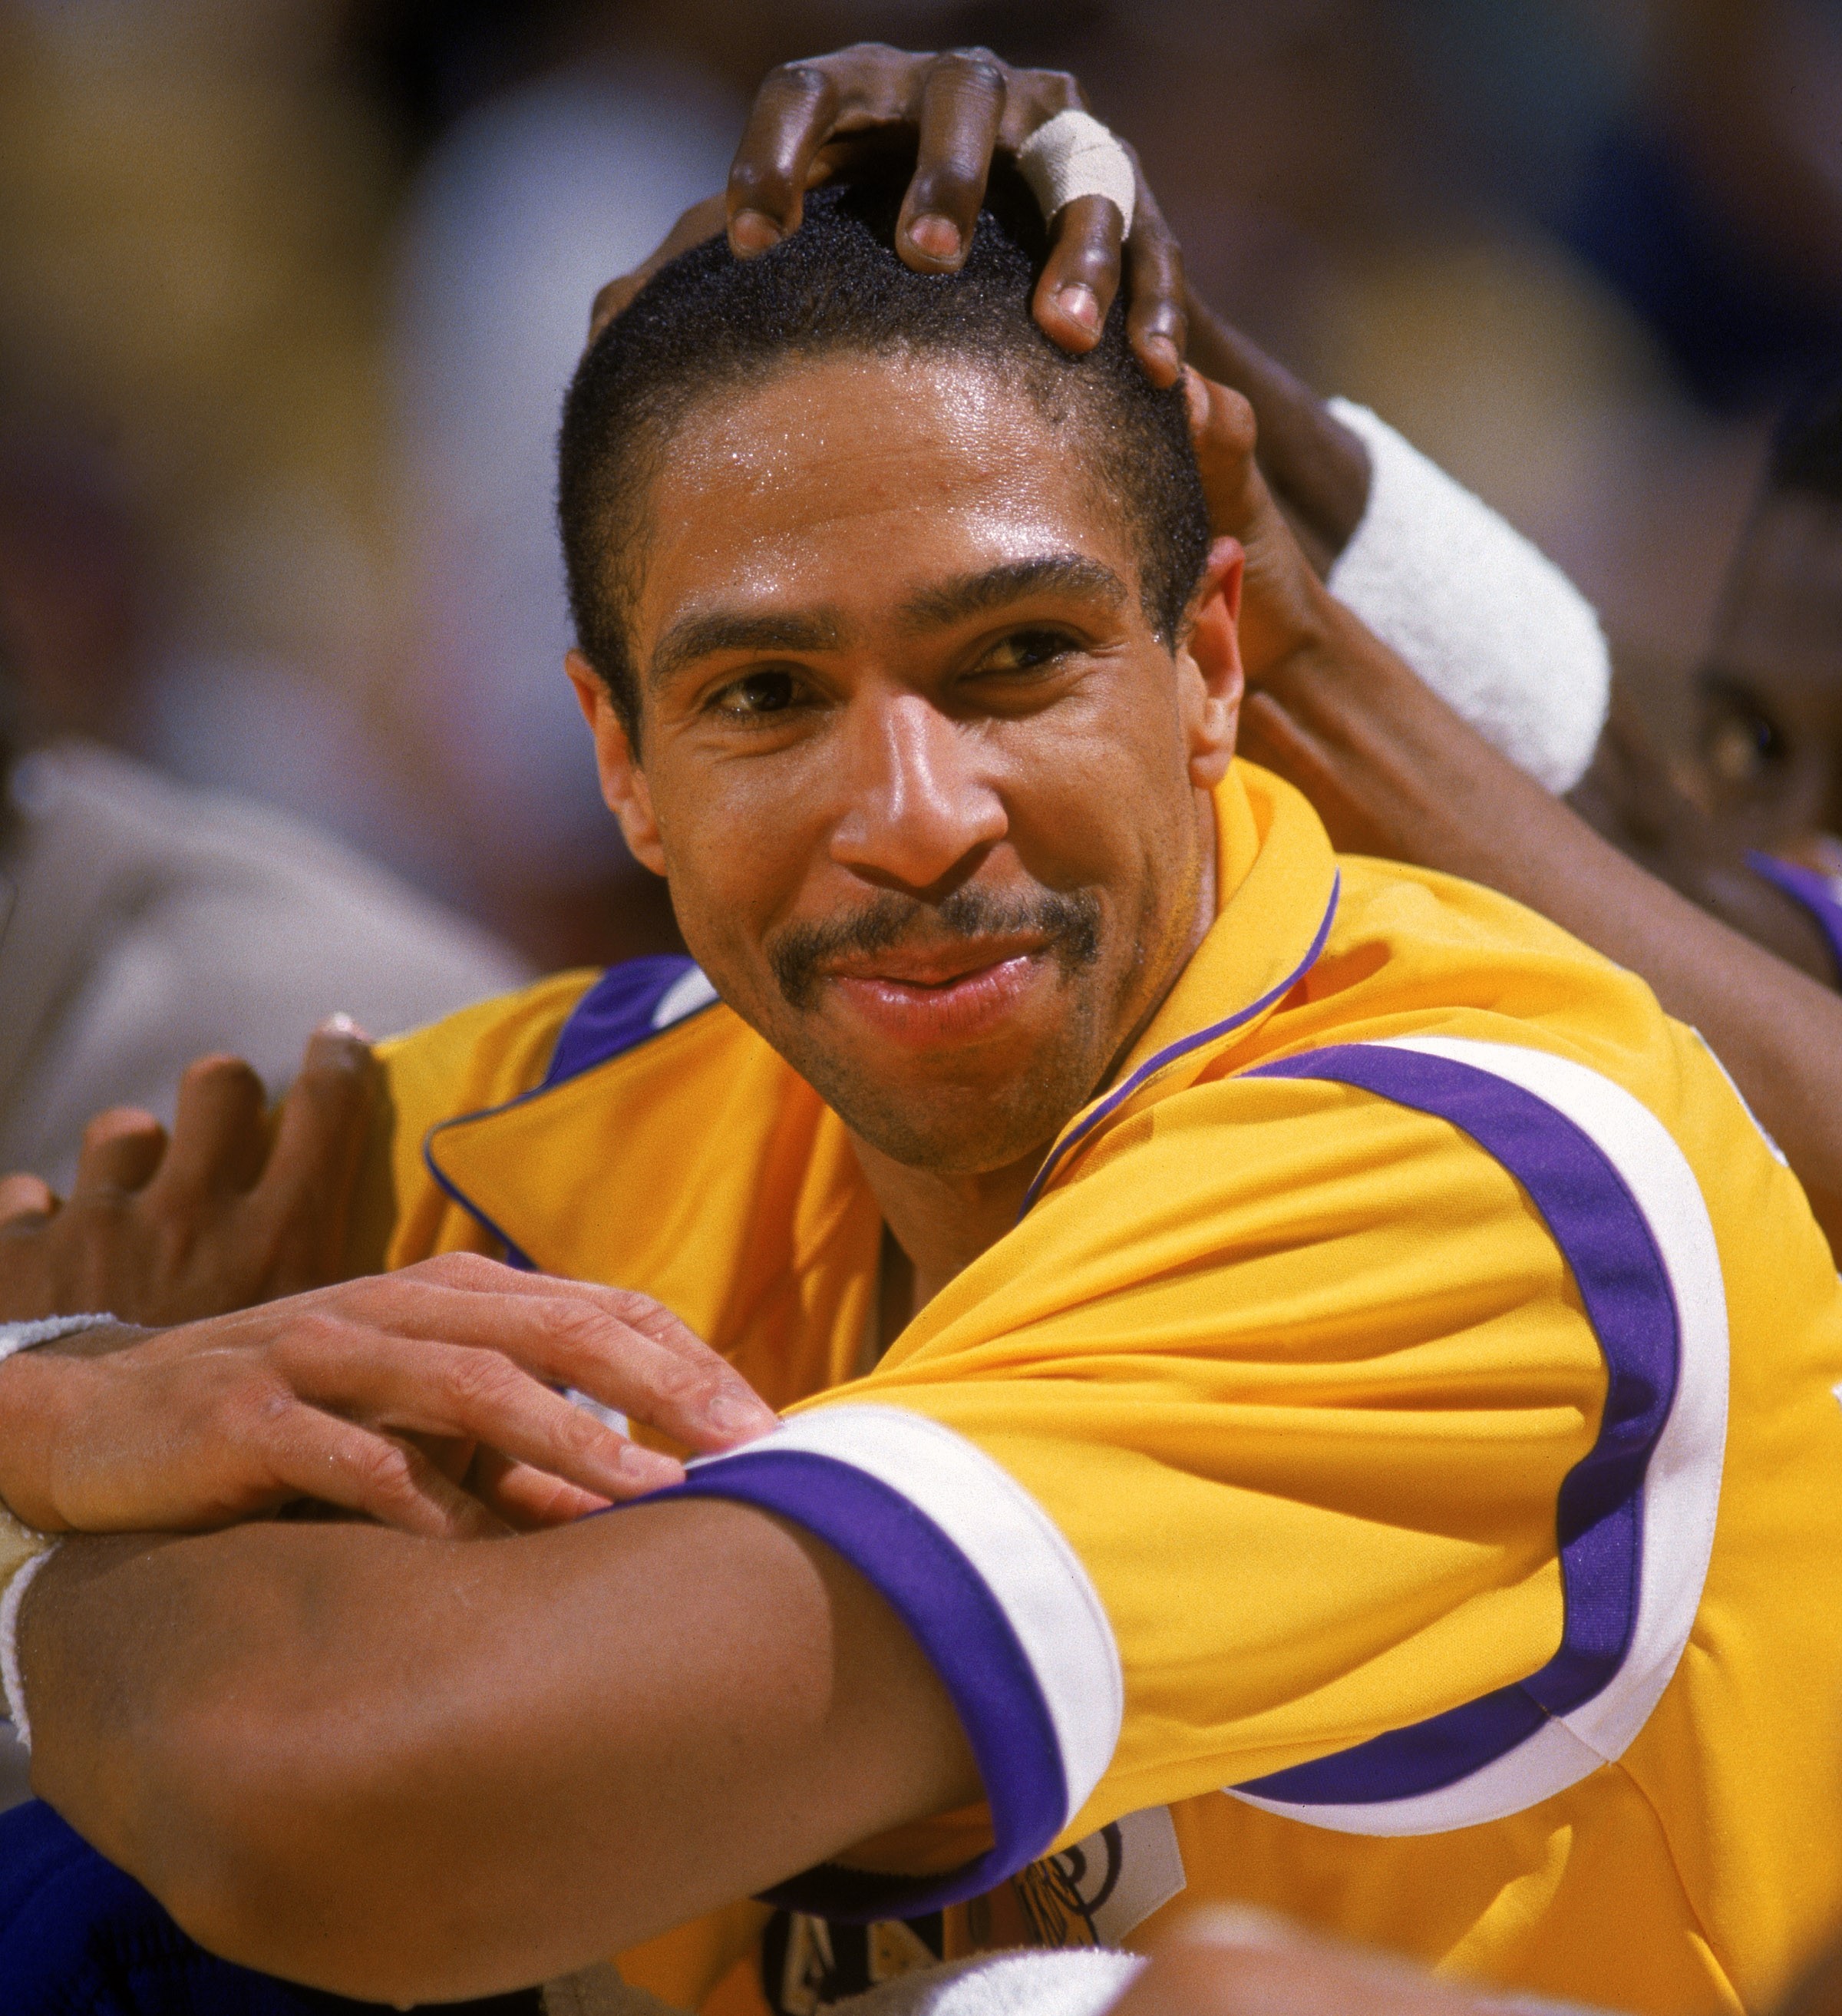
1282 597
817 118
314 1397
228 1212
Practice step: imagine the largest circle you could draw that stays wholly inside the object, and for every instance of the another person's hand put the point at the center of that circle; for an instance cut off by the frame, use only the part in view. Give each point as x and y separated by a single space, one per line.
955 109
232 1210
1281 596
424 1400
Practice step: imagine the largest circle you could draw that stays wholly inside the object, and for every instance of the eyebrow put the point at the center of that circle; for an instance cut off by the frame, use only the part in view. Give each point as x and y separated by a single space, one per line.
978 594
717 630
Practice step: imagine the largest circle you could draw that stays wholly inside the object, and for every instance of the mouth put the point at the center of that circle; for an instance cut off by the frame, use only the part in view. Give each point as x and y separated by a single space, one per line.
956 993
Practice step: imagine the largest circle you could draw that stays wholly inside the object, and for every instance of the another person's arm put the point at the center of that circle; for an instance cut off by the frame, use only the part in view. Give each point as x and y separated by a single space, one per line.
1394 770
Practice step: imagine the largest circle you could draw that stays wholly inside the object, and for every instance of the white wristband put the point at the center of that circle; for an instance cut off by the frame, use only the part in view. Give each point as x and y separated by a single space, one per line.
23 1554
1074 155
47 1330
1490 623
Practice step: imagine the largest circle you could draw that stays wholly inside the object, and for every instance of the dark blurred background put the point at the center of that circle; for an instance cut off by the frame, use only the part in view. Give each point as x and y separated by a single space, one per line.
290 290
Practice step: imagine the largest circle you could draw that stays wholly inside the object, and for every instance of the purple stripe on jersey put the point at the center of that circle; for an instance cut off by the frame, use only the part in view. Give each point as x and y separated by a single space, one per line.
615 1014
1816 892
1182 1047
968 1640
1606 1243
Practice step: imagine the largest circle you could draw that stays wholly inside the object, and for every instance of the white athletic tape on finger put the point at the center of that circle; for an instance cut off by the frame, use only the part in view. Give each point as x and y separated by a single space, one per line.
17 1337
1075 156
23 1554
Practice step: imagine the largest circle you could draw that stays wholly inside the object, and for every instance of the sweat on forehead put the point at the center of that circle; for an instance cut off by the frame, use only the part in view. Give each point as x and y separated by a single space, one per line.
708 323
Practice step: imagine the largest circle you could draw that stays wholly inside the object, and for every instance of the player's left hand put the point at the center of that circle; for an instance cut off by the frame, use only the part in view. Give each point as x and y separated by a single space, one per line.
955 109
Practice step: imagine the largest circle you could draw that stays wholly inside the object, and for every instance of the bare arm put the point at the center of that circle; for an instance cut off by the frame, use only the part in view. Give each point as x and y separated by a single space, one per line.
1392 770
304 1743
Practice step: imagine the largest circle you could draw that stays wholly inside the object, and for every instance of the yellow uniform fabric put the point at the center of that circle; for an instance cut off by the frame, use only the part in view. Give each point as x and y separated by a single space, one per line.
1409 1401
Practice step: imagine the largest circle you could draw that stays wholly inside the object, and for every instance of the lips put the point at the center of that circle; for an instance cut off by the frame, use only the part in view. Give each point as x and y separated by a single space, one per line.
955 995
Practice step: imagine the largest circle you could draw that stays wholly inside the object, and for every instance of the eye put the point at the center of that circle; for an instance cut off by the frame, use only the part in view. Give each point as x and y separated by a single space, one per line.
756 694
1027 651
1741 743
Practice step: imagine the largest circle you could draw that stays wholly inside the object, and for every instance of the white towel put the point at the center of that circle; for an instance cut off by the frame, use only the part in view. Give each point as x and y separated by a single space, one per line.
1489 622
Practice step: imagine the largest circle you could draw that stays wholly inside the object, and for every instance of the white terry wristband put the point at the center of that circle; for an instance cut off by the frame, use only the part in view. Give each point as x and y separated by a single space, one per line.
1490 623
1074 155
23 1554
28 1336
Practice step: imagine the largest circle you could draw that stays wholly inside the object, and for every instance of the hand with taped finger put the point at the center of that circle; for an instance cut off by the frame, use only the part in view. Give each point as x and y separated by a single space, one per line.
955 109
333 1396
236 1207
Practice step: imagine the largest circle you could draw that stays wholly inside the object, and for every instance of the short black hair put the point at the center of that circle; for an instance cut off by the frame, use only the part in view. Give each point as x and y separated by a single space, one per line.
708 321
1806 449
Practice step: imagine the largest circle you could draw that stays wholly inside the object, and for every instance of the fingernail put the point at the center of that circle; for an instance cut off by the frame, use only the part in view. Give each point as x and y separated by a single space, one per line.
1080 304
731 1413
1164 351
1195 398
340 1023
753 231
650 1470
937 237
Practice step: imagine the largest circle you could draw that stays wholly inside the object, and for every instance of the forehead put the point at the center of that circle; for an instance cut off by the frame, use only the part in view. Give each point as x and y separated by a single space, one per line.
1781 617
855 481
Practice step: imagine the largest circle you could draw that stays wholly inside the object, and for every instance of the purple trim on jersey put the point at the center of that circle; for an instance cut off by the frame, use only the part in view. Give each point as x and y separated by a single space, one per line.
615 1014
967 1638
1171 1051
1815 892
1607 1245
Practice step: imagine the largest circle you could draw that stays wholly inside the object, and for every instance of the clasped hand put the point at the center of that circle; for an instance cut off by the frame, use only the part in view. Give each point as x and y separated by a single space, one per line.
426 1398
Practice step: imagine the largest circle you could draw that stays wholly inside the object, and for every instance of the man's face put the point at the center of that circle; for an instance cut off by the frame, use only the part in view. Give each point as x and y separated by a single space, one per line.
1771 733
930 793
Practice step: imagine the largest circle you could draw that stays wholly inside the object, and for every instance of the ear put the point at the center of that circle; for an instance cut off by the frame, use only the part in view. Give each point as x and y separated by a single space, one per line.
622 782
1209 664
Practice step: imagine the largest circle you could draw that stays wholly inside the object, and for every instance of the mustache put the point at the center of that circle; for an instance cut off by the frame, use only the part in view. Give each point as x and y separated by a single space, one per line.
1069 922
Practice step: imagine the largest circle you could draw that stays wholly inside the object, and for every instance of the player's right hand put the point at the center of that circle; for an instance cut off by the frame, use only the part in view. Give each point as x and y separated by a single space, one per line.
350 1396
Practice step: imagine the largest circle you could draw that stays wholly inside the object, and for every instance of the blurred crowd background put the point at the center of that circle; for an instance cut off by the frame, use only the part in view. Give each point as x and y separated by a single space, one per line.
290 290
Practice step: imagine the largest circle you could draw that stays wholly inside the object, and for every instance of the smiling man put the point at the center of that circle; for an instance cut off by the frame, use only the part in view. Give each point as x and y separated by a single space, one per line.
1254 1328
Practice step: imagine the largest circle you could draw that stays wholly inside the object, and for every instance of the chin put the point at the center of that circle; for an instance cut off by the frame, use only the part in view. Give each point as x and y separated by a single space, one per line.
968 1131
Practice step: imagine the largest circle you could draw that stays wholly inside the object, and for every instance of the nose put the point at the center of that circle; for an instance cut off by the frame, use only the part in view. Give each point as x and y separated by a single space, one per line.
915 800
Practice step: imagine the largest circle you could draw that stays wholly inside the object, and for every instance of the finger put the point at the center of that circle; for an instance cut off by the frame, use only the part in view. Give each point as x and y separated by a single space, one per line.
219 1143
121 1150
791 116
416 1386
1223 432
1082 275
23 1197
339 1463
1156 324
961 104
304 1195
528 1499
620 1348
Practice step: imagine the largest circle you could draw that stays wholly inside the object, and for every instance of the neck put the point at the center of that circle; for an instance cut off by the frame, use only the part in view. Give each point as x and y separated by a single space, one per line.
943 1223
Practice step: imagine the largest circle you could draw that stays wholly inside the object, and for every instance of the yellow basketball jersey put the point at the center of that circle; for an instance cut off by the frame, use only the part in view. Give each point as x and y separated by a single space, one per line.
1391 1473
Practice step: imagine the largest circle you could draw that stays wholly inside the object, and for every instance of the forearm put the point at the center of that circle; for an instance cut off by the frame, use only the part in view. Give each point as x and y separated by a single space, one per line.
417 1770
1395 772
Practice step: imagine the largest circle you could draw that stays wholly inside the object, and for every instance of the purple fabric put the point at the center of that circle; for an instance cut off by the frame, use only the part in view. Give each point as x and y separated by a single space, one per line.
1814 891
1182 1047
615 1014
1606 1243
961 1627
